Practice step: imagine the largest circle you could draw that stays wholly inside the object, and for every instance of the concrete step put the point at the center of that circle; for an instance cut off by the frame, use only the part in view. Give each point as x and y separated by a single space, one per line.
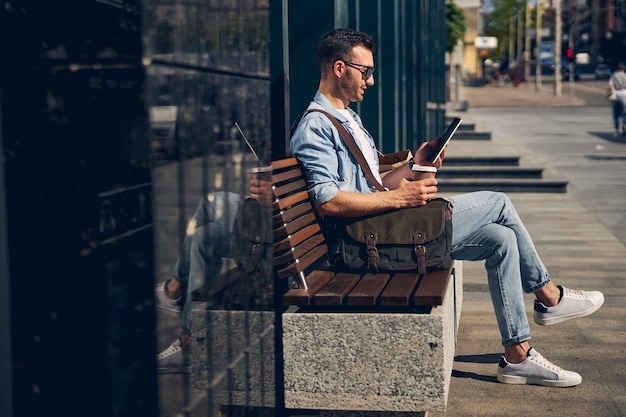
490 172
481 161
467 126
504 185
471 135
495 173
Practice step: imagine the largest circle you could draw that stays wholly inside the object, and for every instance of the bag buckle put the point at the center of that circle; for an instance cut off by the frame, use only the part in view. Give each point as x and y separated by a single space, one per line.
420 251
372 251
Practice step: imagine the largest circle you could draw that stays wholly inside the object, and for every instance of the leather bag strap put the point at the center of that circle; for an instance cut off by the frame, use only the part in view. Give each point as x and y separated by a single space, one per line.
352 146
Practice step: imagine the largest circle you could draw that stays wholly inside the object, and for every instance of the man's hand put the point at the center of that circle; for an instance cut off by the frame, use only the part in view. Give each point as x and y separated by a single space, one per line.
425 149
416 193
261 191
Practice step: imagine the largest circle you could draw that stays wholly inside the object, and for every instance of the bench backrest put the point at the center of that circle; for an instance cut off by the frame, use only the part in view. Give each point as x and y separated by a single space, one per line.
299 244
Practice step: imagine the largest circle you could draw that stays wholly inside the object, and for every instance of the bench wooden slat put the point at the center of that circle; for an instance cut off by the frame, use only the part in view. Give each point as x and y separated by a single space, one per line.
399 289
299 250
286 175
304 262
366 292
289 188
301 297
432 288
291 213
284 163
290 200
296 238
293 226
336 290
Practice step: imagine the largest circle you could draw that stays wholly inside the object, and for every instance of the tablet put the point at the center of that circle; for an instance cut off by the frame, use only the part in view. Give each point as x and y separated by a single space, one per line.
444 141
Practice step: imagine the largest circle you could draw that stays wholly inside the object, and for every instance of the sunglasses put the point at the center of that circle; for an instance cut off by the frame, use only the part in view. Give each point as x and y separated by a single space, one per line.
367 73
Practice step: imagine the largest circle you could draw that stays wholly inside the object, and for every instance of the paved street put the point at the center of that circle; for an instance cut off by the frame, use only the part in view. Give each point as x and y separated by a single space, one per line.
581 236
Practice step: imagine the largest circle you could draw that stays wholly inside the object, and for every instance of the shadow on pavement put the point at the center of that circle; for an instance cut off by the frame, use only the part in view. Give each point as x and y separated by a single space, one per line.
609 137
485 358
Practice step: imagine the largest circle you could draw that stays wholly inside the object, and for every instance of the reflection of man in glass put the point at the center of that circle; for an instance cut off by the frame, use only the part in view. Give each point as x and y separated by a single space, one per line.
208 239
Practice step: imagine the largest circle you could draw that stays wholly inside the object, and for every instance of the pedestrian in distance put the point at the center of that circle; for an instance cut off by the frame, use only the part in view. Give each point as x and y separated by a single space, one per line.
486 226
617 88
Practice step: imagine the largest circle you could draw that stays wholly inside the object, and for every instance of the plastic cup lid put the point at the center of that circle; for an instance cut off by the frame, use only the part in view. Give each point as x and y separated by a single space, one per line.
424 168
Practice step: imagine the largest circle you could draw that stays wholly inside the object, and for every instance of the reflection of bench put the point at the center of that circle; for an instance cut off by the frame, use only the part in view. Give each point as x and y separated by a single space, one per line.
379 342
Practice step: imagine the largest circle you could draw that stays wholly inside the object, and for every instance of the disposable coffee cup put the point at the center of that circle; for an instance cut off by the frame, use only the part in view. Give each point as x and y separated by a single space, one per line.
421 172
262 173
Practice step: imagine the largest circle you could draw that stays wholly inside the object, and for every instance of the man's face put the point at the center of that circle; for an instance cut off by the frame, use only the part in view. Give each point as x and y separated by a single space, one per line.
354 84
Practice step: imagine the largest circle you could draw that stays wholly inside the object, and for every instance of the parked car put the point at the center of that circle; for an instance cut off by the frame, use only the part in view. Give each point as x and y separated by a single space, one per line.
602 71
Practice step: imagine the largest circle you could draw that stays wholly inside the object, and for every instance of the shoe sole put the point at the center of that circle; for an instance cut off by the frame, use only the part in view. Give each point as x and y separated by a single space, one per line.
519 380
561 319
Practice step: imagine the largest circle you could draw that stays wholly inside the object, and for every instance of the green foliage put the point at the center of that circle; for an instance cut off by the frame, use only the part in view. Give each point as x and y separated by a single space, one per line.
497 22
455 25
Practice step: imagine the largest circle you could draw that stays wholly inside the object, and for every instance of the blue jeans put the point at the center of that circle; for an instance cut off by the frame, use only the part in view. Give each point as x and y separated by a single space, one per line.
207 242
619 111
487 227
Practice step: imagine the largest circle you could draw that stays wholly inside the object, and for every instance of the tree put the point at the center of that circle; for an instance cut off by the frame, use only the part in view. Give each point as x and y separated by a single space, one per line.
497 22
455 25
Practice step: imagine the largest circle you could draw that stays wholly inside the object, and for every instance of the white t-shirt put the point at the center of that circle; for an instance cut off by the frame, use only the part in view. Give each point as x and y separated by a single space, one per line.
618 82
366 148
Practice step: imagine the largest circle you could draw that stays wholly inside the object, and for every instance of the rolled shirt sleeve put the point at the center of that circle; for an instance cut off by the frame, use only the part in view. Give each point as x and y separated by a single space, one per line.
328 164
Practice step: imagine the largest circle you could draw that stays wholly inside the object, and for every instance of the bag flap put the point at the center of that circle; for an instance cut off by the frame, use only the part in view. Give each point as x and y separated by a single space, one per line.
397 227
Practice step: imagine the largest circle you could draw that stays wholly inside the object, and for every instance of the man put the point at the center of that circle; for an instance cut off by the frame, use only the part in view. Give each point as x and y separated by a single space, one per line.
617 84
485 224
207 242
211 236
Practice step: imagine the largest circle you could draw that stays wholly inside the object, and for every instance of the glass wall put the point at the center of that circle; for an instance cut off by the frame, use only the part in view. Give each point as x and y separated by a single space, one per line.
207 86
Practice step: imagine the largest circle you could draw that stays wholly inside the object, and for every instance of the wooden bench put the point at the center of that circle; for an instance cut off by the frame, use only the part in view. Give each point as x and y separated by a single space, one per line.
351 341
301 251
357 342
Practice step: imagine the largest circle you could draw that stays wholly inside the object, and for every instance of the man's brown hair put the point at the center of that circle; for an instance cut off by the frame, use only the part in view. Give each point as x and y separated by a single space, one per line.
337 45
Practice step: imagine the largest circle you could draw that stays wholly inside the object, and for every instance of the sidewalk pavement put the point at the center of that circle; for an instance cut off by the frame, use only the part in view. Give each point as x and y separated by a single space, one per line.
580 236
524 95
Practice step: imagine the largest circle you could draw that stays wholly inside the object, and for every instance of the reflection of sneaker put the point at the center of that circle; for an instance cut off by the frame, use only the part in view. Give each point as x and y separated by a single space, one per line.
573 304
174 358
536 370
164 302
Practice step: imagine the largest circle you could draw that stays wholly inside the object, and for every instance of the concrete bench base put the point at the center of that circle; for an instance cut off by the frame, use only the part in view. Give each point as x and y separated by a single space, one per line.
387 362
233 356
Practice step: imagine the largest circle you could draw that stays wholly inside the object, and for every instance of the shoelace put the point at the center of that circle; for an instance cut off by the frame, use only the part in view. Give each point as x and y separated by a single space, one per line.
574 294
544 363
169 351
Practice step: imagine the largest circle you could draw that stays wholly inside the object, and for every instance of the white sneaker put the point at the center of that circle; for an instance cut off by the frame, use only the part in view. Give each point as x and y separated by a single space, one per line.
573 304
174 358
164 302
536 370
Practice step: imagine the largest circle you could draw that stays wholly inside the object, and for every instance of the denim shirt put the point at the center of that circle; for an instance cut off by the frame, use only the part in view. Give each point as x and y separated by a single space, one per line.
328 164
